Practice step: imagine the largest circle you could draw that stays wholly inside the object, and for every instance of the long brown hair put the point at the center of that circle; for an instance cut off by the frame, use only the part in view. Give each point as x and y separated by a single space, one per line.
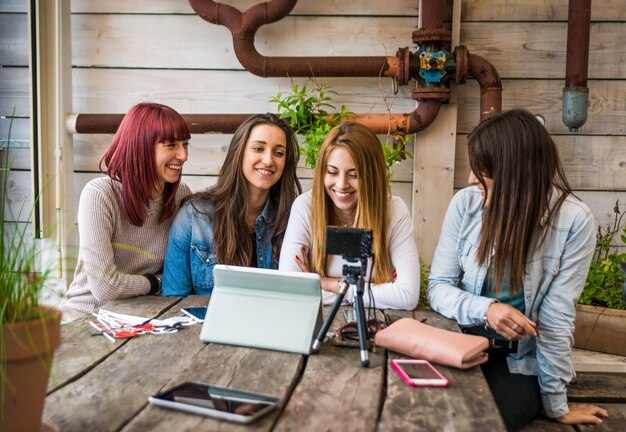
229 196
516 151
130 158
372 200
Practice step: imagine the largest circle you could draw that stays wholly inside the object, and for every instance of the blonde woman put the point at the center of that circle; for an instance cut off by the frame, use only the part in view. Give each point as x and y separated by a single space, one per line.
350 189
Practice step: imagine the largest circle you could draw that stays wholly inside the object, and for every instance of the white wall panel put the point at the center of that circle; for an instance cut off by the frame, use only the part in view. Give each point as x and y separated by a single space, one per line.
315 7
116 90
187 41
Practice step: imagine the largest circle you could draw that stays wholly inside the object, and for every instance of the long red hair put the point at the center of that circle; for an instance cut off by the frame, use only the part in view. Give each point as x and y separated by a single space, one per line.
130 158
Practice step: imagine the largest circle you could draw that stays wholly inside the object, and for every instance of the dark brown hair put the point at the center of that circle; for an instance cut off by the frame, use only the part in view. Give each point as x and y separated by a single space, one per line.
516 151
130 158
229 196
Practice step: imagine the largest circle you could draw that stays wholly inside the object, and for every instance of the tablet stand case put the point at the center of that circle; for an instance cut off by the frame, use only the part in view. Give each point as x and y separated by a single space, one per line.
263 308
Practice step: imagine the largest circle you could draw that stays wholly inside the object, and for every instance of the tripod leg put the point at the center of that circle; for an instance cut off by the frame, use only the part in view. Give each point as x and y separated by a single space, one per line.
361 320
331 316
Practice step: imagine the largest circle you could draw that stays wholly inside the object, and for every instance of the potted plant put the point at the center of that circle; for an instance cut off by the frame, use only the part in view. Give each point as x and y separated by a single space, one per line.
601 312
308 116
29 332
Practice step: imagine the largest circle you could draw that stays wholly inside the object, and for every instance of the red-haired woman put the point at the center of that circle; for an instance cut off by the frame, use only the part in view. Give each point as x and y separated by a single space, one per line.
124 218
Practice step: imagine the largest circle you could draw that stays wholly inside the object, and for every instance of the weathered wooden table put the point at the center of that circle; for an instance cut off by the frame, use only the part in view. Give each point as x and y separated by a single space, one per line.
99 385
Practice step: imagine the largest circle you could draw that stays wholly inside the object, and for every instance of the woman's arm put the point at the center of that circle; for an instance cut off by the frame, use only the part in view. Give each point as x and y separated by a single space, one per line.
177 267
96 220
555 322
444 295
297 235
404 291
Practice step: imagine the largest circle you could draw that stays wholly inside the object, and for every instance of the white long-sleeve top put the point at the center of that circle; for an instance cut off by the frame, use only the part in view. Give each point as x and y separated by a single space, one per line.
402 293
114 254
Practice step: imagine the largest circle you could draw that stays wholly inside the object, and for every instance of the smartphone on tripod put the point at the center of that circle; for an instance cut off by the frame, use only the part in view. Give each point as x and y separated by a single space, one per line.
355 246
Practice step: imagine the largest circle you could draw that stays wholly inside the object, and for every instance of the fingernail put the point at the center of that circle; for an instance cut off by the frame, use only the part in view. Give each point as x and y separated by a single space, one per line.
297 258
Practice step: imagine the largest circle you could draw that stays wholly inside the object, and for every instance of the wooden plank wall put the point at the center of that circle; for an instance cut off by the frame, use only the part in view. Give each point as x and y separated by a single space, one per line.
126 52
526 42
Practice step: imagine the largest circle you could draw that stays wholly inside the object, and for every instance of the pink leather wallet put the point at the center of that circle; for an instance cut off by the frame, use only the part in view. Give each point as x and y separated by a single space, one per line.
418 340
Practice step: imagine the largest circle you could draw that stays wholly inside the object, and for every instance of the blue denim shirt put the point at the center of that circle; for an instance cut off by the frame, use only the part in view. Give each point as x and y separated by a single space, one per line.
190 253
554 278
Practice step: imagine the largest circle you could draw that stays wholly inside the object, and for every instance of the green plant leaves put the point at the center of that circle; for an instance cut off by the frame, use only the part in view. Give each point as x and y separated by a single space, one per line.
309 117
605 280
20 283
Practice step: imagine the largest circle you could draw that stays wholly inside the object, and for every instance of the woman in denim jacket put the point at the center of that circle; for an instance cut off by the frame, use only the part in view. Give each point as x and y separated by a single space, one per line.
510 264
240 220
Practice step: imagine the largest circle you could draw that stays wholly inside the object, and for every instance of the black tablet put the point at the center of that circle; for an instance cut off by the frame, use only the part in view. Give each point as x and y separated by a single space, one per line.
219 402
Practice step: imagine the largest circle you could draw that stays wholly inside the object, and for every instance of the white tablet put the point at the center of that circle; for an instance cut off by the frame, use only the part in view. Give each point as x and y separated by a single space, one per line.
263 308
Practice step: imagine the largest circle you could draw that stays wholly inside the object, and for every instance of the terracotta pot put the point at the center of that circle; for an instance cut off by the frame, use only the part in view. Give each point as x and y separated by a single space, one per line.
29 347
600 329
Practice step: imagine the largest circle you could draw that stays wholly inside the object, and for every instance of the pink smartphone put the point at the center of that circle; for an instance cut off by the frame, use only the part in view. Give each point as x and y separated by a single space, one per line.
418 373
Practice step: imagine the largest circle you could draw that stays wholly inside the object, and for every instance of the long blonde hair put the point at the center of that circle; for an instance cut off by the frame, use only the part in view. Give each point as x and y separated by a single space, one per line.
372 197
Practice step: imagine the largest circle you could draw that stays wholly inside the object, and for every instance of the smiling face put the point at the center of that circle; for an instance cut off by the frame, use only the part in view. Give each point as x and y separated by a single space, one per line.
473 180
341 183
169 158
264 158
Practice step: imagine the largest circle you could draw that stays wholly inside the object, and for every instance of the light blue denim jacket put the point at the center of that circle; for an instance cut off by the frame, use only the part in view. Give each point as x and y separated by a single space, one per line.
554 278
190 253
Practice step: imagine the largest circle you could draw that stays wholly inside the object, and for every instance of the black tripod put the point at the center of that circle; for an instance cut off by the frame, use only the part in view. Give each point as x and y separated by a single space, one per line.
355 275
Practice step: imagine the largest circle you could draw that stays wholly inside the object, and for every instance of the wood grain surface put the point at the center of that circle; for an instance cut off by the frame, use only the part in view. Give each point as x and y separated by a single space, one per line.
110 394
426 409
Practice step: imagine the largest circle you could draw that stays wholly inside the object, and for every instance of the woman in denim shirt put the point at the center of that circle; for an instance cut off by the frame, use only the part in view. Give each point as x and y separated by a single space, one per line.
510 264
241 220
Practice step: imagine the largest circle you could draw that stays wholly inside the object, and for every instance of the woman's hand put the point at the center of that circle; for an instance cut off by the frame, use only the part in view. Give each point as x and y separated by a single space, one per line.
328 283
509 322
579 414
303 262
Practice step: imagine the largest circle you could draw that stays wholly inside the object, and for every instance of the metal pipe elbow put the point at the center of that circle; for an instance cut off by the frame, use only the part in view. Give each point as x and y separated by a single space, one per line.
423 115
490 85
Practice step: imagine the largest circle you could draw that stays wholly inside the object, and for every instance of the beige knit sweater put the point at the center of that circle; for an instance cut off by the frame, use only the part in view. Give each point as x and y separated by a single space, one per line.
114 254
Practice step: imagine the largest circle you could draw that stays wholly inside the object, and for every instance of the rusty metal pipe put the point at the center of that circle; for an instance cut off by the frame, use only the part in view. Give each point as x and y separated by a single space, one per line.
197 123
433 15
409 123
576 92
243 27
490 85
238 22
401 124
263 66
578 31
